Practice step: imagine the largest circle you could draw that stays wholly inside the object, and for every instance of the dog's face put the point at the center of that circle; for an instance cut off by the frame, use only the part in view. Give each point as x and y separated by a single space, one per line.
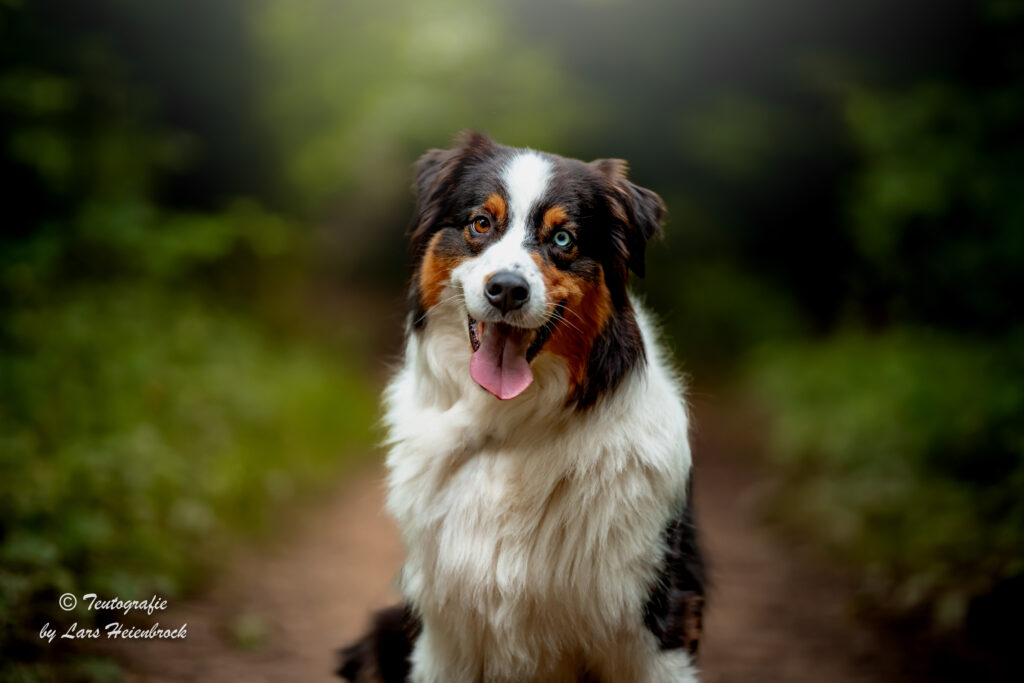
535 248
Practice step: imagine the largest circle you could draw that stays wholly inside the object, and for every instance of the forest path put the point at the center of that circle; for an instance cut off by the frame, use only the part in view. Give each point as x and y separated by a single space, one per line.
279 611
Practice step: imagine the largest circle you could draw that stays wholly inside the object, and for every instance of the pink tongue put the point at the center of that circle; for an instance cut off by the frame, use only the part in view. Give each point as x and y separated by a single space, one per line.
499 365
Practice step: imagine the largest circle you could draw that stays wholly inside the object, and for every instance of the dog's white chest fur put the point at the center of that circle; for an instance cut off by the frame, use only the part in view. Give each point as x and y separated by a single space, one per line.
533 532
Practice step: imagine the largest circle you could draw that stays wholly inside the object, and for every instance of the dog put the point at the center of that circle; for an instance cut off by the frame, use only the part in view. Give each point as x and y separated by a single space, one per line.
539 462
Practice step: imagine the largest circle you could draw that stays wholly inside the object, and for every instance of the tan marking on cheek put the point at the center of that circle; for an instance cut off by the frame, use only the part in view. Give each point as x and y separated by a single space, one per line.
496 206
588 307
435 272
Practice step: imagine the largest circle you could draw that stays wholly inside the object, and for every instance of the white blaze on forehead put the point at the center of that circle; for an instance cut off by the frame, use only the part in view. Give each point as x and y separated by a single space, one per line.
526 178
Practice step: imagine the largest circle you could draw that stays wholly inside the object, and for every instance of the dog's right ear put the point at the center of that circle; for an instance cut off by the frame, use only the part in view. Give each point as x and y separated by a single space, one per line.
437 172
638 211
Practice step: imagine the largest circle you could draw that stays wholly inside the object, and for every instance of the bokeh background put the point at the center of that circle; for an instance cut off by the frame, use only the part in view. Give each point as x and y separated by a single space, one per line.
203 257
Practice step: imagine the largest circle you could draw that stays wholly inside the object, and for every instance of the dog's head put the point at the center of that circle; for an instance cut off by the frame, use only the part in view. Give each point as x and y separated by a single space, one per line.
535 250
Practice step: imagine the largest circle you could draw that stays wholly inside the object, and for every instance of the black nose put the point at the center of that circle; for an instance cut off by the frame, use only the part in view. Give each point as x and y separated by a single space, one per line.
507 291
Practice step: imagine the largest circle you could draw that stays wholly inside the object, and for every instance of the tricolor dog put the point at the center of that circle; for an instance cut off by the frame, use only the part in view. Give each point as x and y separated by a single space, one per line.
538 463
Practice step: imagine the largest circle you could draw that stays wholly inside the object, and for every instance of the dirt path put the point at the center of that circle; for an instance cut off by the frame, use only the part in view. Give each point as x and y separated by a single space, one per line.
277 614
280 612
777 612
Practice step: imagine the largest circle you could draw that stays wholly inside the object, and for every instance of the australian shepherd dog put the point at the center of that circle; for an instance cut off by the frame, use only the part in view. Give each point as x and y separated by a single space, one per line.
538 463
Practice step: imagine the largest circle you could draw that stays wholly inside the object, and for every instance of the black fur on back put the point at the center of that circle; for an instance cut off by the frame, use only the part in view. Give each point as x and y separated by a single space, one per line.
383 653
675 609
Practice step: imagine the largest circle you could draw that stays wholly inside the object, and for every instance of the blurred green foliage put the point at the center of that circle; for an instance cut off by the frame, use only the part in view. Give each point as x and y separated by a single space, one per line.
905 451
936 211
166 383
901 433
354 91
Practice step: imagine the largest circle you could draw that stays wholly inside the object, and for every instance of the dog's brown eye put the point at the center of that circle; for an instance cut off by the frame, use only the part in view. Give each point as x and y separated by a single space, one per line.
481 224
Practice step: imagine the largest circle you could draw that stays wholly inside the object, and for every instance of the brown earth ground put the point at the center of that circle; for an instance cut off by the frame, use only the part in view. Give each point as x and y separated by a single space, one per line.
278 612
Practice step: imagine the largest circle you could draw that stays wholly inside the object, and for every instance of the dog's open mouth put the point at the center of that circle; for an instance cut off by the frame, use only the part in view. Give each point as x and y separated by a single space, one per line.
502 354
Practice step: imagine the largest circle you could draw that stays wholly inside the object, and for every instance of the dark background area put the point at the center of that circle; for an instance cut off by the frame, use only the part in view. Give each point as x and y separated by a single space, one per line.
203 251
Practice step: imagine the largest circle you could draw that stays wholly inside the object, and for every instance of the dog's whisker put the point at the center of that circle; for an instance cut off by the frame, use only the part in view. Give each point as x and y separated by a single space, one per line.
575 313
554 314
552 307
562 319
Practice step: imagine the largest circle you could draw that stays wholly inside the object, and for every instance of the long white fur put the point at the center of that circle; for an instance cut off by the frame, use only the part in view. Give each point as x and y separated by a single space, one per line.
533 531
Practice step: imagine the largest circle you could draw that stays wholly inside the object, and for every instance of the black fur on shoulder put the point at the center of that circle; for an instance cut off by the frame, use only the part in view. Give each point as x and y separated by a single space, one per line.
383 653
616 351
675 609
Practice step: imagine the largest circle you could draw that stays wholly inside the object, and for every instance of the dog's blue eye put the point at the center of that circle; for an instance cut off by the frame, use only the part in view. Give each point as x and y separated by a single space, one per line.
562 239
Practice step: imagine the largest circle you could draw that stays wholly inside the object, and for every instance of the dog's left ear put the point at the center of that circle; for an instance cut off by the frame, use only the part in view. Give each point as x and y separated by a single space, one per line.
638 212
437 172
